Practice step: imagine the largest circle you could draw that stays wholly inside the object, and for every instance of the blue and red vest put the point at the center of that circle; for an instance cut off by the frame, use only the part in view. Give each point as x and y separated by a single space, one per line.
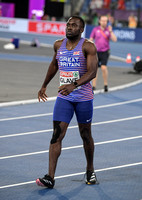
72 65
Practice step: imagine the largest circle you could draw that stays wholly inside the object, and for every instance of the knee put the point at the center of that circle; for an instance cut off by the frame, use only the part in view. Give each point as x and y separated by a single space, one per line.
85 135
104 68
56 133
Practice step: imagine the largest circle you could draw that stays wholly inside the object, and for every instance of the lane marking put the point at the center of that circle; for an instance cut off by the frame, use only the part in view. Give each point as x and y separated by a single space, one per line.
118 104
120 87
72 147
75 174
26 117
95 107
23 102
14 103
71 127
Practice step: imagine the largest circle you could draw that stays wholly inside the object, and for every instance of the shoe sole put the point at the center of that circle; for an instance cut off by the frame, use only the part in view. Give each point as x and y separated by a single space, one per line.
39 183
95 183
88 183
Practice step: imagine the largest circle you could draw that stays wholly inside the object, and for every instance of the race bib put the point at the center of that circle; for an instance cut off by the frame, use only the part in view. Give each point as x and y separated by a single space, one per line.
68 77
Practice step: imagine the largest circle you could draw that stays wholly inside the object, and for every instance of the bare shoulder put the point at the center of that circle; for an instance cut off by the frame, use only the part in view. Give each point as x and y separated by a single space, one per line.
57 44
89 46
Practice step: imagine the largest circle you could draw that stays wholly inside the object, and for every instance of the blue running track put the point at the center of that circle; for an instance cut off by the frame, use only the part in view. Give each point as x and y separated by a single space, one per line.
117 131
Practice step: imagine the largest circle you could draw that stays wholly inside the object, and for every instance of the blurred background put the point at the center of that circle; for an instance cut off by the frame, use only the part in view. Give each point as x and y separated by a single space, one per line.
124 15
28 24
120 10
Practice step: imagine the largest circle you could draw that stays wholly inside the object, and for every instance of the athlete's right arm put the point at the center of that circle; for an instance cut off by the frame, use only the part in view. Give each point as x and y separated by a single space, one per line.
53 68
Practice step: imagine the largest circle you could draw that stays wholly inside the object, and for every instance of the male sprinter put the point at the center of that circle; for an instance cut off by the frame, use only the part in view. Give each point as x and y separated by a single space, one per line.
76 59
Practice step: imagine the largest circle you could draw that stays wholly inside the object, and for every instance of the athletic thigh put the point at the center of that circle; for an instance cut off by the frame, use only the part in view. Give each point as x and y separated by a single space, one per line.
84 111
63 110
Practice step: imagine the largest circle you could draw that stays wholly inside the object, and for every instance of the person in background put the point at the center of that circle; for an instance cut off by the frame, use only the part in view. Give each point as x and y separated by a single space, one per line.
33 16
132 21
121 5
106 4
95 19
0 11
84 16
102 35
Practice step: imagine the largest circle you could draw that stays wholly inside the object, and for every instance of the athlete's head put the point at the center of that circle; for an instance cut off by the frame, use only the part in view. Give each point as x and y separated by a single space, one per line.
74 27
103 21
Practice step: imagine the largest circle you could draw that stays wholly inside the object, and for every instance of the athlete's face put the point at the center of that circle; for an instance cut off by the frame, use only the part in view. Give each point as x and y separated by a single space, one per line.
103 21
73 28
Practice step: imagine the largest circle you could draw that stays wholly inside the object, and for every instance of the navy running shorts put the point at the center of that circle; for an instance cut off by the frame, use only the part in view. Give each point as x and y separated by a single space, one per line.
103 58
64 111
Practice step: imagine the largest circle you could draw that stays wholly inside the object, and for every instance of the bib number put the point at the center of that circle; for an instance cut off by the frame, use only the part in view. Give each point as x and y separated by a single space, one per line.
68 77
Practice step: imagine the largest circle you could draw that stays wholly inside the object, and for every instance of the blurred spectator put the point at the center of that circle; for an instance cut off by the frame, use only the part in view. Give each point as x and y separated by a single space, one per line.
45 17
53 19
110 19
0 11
92 6
106 4
95 4
132 21
95 19
121 5
33 16
85 17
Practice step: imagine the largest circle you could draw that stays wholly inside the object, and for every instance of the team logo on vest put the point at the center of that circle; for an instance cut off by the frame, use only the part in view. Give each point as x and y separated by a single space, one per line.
76 53
62 52
76 74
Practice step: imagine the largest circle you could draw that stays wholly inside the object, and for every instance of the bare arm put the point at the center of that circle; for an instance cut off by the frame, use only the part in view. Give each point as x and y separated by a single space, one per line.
90 53
112 35
53 68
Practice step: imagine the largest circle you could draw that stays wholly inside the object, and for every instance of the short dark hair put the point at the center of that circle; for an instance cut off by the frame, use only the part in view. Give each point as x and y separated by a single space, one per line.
103 16
81 20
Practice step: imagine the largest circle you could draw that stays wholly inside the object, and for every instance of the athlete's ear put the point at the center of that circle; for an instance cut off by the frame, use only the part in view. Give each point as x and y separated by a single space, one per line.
81 30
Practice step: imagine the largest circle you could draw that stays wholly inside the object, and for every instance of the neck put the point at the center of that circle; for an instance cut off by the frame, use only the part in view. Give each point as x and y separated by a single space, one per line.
70 41
71 44
103 28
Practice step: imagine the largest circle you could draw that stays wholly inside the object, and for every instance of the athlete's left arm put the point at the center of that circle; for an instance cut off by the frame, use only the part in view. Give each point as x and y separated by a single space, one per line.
90 52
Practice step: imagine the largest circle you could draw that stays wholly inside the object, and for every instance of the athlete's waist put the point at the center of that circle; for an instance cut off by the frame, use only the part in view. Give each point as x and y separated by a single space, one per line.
83 93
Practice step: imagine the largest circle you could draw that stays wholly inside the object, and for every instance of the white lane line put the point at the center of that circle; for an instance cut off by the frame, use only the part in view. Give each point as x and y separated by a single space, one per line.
118 120
26 117
95 107
120 87
118 104
14 103
72 147
71 127
23 102
75 174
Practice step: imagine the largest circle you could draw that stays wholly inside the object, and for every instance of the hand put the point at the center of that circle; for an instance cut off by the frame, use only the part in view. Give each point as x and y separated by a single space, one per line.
41 95
66 89
110 28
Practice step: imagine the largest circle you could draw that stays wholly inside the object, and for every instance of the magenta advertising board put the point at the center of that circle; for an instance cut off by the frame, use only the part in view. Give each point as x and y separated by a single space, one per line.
7 9
36 8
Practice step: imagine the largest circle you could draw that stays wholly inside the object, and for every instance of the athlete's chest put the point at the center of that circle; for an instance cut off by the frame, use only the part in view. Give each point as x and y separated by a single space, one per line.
70 58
